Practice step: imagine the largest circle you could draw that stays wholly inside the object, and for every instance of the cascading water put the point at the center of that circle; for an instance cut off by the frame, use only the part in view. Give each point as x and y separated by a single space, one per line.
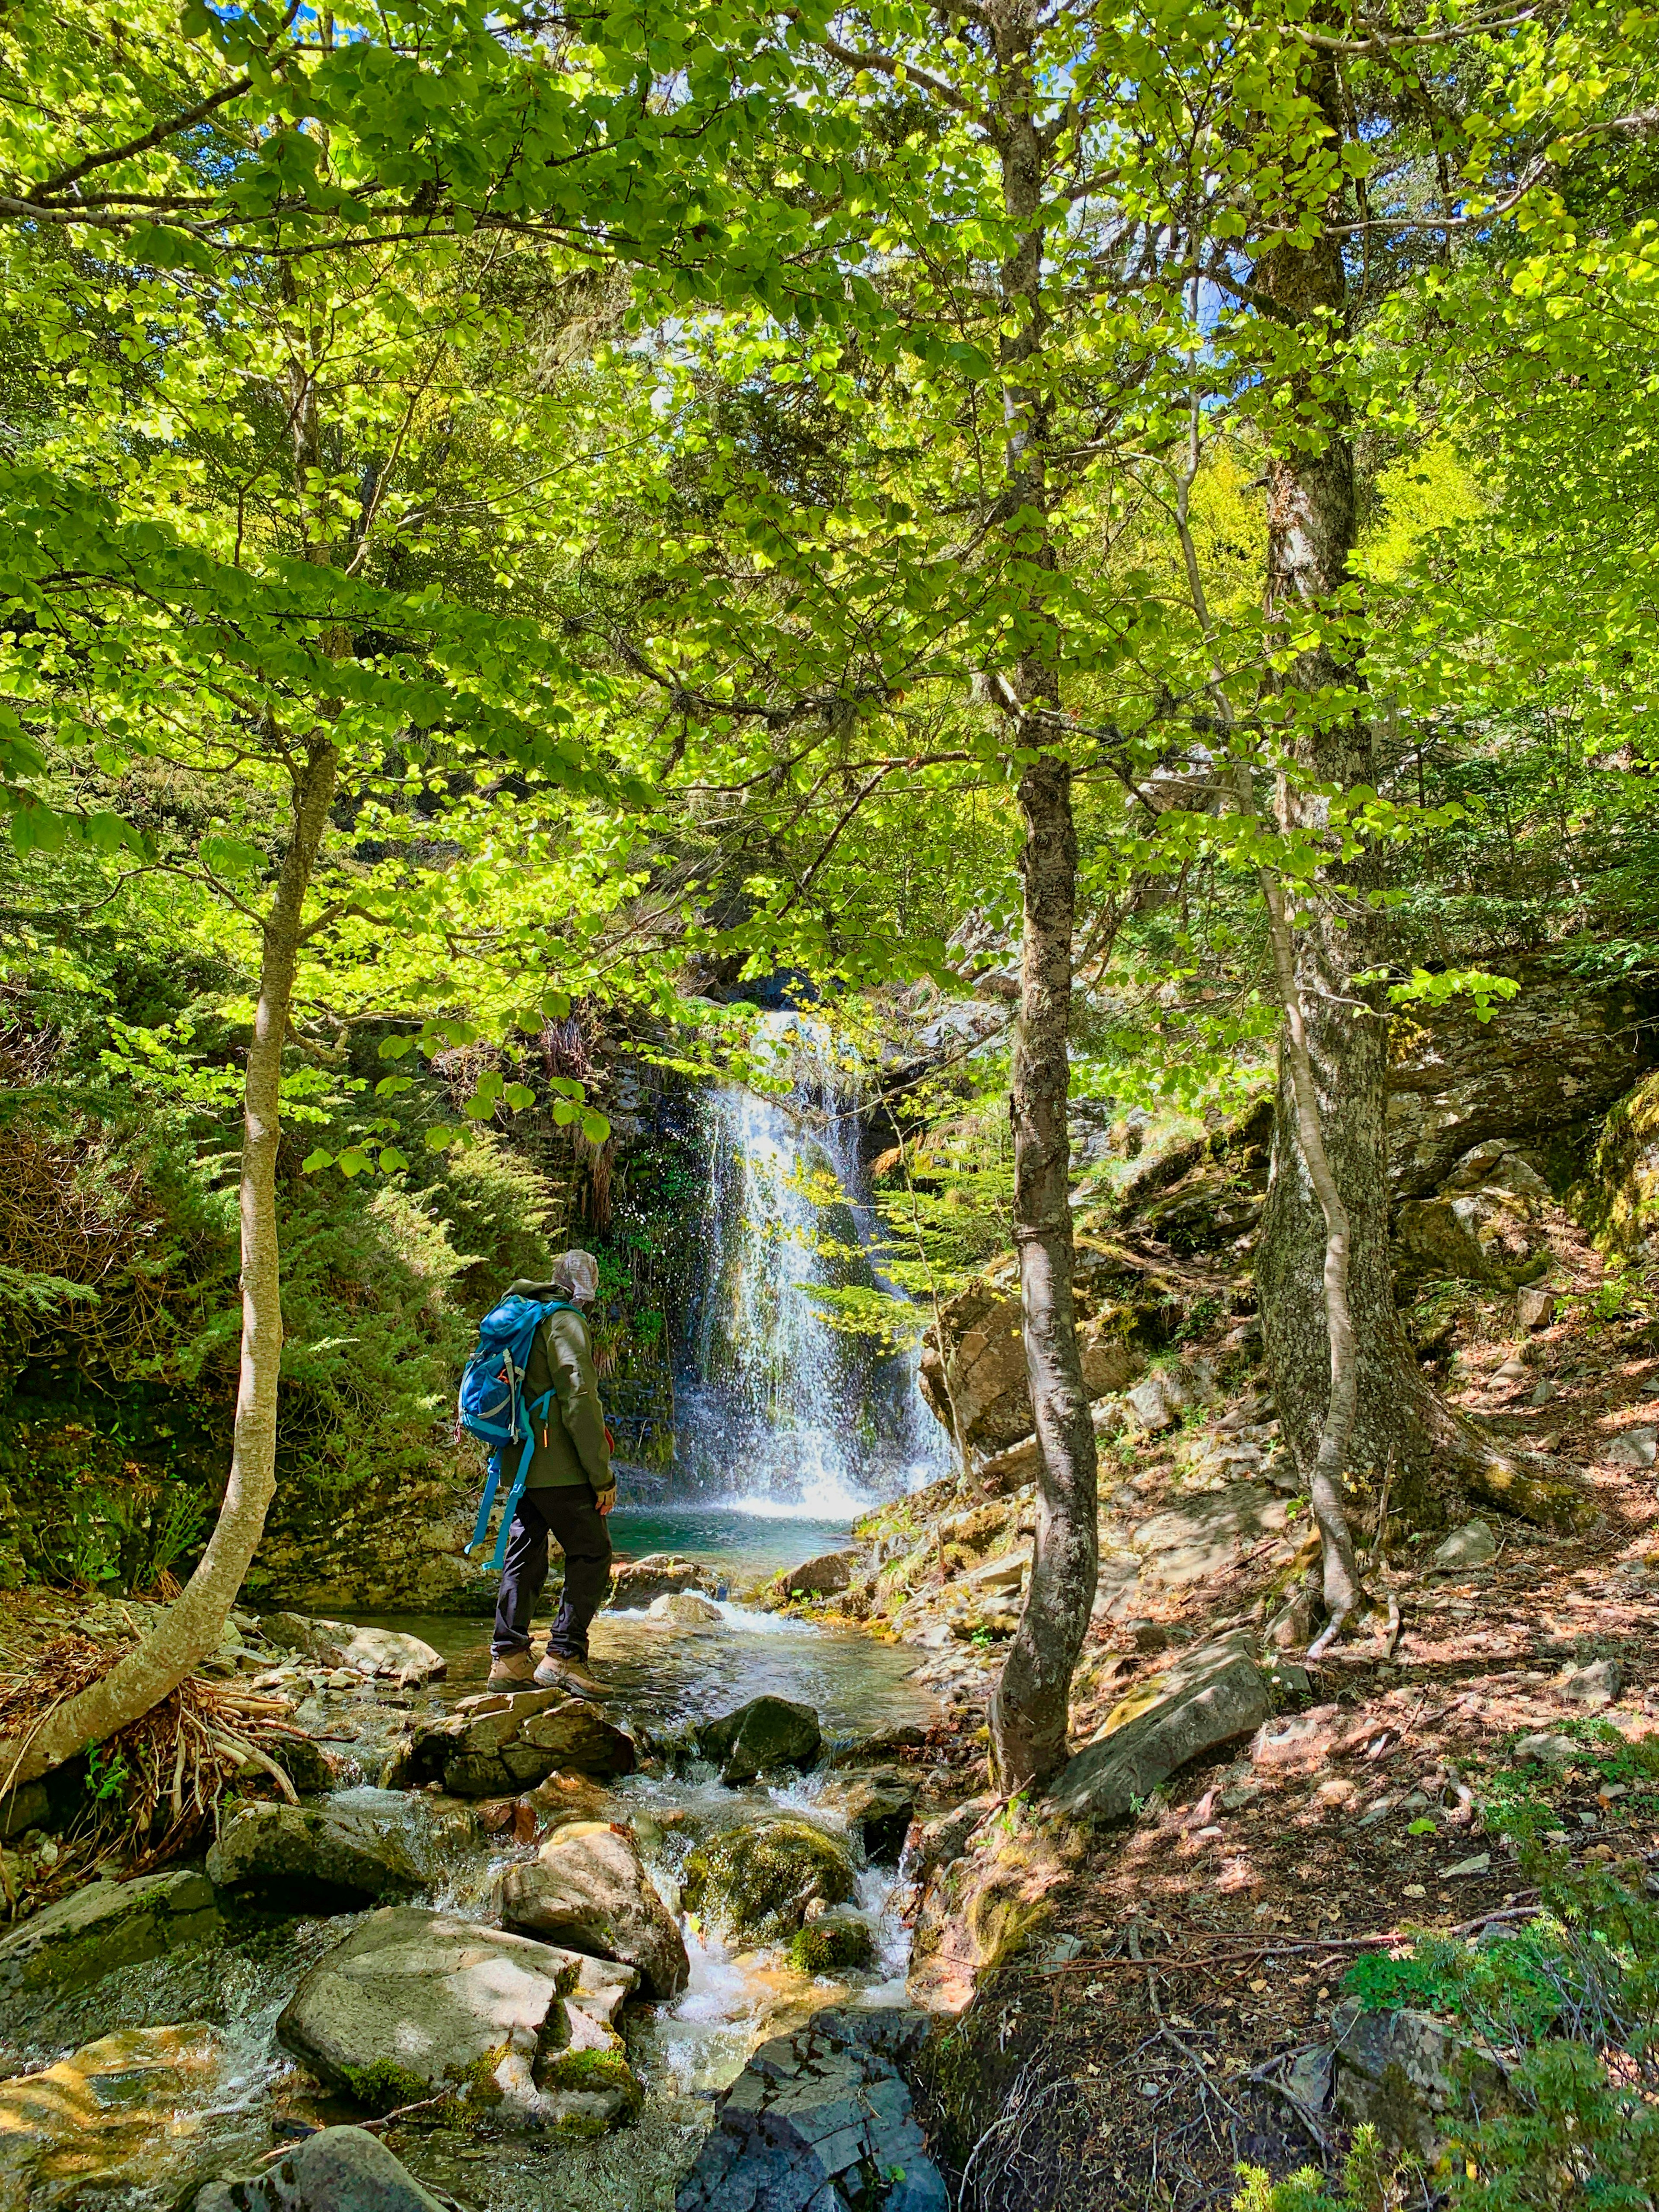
782 1412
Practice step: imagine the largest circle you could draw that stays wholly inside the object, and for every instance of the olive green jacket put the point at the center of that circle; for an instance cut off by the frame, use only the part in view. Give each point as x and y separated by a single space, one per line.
570 1440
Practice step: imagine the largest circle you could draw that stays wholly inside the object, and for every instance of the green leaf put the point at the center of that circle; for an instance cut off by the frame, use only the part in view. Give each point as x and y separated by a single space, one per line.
519 1097
395 1048
391 1086
315 1163
440 1139
391 1159
595 1127
354 1160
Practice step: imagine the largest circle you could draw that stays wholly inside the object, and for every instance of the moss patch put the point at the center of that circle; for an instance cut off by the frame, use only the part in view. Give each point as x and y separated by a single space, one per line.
832 1946
591 2074
759 1880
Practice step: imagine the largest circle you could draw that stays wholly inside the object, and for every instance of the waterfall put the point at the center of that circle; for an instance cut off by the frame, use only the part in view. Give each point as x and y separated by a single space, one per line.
781 1412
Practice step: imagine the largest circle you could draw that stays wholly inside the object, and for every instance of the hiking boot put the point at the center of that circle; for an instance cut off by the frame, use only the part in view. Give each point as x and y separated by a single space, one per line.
512 1670
558 1673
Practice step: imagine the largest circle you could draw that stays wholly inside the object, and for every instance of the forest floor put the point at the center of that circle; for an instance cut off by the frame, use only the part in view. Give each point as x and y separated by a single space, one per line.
1171 2018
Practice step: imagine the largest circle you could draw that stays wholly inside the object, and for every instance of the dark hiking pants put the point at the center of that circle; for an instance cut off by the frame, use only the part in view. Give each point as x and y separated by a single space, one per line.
578 1528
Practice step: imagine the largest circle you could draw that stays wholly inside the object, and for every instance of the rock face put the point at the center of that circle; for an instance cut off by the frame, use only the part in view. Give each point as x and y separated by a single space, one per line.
1198 1539
587 1889
337 2169
1401 2071
1555 1056
823 2119
878 1813
766 1733
984 1384
822 1576
367 1651
1441 1236
636 1582
757 1881
1211 1696
315 1858
686 1609
508 1744
413 2003
100 2115
109 1924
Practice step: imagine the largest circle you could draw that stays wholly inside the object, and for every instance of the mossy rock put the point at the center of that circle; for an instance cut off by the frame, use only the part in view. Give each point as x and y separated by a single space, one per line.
591 2073
758 1880
833 1945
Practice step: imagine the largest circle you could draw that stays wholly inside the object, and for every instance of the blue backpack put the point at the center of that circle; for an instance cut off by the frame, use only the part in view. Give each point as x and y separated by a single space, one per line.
493 1404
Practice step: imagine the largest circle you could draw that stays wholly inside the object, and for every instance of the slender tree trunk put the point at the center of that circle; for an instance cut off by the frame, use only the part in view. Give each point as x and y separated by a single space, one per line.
1397 1417
1029 1711
195 1620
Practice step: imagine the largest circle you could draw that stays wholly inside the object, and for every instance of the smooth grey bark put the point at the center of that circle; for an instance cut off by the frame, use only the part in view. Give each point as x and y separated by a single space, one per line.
1029 1709
195 1621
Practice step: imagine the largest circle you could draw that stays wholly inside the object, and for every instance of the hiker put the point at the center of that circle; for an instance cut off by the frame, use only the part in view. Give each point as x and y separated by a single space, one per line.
568 1489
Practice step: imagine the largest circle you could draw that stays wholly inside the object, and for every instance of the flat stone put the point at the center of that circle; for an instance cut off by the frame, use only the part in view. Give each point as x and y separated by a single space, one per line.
1596 1685
107 1924
511 1746
1007 1573
1199 1539
1207 1698
414 2003
765 1733
1471 1545
820 2119
337 2169
1634 1447
686 1609
365 1651
325 1858
587 1889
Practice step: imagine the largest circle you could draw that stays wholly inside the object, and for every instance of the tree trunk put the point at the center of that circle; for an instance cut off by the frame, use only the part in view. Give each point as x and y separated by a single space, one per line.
1029 1711
195 1621
1399 1422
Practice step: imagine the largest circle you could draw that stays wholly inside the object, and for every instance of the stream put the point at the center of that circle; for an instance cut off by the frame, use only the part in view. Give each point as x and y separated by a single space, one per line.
684 2050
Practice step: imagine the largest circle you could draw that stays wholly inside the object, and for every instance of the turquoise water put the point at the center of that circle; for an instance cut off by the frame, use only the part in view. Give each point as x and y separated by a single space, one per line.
743 1542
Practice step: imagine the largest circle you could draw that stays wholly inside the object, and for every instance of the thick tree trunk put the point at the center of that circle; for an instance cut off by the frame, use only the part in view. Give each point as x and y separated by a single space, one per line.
1402 1433
195 1621
1029 1711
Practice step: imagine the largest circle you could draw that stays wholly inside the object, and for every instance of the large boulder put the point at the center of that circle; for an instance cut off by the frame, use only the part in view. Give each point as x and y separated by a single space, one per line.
335 2170
108 2115
878 1812
981 1391
1551 1059
1621 1191
367 1651
820 2118
1410 2076
504 1745
415 2003
1208 1698
587 1889
821 1577
756 1881
766 1733
108 1924
634 1584
685 1609
316 1859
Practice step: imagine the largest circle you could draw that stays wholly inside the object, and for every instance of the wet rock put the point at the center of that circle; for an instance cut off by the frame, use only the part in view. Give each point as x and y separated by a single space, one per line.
306 1763
1596 1684
822 1576
1471 1545
1209 1697
109 1924
823 2119
988 1902
1634 1447
874 1750
415 2003
1408 2076
337 2169
102 2117
508 1744
565 1797
879 1814
636 1583
1201 1538
834 1943
758 1880
686 1609
320 1859
766 1733
365 1651
587 1889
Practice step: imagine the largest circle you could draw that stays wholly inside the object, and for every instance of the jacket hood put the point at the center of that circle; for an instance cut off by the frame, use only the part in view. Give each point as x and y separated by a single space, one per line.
540 1291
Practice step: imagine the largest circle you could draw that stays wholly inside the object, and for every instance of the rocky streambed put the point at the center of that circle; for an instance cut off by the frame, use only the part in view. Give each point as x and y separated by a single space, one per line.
559 1952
